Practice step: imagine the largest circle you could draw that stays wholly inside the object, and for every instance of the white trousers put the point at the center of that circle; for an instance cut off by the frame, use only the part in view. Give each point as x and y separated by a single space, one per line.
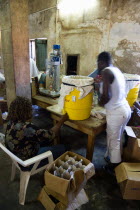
116 122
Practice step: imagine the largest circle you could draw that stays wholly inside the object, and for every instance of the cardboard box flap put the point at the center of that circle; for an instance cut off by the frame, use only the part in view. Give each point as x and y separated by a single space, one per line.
129 171
89 170
79 178
134 167
138 142
121 174
133 171
59 184
133 175
62 186
130 131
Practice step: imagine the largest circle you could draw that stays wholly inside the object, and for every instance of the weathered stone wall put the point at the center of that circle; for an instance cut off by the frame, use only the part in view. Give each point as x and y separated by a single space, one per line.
1 60
125 35
82 32
43 24
15 47
108 25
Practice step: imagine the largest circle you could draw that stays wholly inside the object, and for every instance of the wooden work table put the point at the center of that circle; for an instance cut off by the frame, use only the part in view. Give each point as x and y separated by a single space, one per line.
44 101
92 127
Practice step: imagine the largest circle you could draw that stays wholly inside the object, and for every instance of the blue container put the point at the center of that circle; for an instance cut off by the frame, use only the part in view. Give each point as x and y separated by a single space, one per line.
56 47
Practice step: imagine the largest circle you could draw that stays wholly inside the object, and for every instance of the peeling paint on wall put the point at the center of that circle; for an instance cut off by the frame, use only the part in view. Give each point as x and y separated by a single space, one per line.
138 65
1 60
87 33
119 53
43 25
124 30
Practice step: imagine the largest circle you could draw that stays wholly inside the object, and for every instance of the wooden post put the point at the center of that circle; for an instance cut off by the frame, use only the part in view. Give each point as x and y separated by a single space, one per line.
1 120
34 91
15 47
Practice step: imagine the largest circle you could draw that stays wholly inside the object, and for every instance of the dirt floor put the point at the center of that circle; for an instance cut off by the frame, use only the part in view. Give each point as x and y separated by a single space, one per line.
102 189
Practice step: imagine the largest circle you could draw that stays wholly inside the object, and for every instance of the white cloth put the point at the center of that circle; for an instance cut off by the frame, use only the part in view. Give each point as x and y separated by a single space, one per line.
132 80
118 91
130 85
66 89
78 80
33 69
2 78
116 121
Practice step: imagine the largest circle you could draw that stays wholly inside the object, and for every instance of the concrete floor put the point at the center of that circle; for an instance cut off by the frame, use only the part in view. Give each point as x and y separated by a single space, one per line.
102 189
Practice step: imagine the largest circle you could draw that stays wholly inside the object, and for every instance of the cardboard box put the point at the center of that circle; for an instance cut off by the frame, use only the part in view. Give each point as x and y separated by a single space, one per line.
51 203
131 152
69 188
128 176
62 199
48 203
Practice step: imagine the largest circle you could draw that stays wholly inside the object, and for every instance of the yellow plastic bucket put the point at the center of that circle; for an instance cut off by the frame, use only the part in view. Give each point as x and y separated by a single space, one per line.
78 109
133 95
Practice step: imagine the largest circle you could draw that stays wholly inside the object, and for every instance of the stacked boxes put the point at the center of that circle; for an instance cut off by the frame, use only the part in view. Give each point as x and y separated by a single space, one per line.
128 176
68 192
53 201
128 172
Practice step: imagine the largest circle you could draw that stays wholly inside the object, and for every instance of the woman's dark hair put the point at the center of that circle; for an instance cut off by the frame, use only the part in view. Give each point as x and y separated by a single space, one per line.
20 109
105 57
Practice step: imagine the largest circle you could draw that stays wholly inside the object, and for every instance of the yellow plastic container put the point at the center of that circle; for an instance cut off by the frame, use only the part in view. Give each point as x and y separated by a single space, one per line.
78 109
133 95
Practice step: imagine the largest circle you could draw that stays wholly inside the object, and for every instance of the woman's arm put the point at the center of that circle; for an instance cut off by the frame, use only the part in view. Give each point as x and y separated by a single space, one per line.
49 135
57 127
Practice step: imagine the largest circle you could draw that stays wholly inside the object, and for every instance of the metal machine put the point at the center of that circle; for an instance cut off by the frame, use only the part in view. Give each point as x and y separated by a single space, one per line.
52 84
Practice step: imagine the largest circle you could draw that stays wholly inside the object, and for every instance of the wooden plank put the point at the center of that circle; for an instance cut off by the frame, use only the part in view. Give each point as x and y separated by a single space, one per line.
34 91
73 125
40 104
90 147
1 120
45 99
57 139
91 122
3 101
100 129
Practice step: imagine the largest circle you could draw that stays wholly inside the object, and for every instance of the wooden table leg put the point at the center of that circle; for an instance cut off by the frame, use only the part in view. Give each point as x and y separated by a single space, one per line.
1 120
90 147
54 122
57 139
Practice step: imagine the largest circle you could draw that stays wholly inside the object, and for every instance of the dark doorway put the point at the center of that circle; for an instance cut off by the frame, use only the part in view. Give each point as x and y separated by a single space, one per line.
72 63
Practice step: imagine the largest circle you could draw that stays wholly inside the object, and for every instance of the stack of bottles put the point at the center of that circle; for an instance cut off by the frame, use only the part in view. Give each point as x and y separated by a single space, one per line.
66 168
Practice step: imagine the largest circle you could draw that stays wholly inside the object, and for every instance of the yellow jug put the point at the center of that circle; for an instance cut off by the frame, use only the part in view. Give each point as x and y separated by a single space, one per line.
78 109
133 95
